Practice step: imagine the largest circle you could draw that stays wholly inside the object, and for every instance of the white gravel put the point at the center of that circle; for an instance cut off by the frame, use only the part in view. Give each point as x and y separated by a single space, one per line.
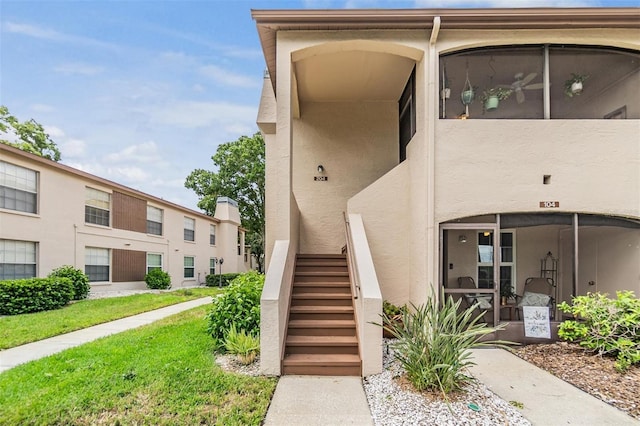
392 405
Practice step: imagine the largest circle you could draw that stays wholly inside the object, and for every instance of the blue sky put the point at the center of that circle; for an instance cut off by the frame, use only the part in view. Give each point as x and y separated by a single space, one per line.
142 92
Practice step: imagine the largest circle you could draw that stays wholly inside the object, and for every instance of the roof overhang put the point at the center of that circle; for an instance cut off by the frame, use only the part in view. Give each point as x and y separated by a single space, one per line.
269 22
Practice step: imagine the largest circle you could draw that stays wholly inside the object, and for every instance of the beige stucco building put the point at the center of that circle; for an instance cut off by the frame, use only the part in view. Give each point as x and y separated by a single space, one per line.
380 114
53 215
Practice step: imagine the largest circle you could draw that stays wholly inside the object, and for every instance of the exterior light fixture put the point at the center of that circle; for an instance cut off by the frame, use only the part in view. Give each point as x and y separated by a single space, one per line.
462 239
320 168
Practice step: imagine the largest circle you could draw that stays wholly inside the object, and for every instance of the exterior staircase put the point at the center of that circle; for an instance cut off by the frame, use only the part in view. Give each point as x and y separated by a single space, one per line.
321 333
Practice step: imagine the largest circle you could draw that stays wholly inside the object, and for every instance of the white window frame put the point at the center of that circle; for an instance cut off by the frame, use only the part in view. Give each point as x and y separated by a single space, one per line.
149 265
99 200
16 252
97 256
185 266
155 215
21 180
189 225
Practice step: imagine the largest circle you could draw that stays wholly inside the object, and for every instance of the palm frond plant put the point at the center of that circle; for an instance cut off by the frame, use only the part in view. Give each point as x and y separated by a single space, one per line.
434 342
245 345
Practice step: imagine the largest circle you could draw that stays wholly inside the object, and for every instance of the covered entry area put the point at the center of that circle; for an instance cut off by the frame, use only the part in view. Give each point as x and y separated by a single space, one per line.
559 255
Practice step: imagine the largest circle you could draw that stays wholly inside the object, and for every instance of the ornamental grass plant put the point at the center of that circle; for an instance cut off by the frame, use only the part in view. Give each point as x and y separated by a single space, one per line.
434 342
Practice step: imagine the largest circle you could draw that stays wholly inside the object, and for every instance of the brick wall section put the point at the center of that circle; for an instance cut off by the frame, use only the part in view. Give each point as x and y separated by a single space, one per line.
128 265
129 213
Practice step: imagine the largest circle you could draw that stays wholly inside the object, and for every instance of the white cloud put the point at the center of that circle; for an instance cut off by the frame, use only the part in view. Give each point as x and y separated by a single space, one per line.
229 78
128 174
54 132
193 114
53 35
73 148
78 68
42 108
146 152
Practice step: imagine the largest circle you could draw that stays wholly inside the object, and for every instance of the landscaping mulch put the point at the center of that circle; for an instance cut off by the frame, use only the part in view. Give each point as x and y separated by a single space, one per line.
593 374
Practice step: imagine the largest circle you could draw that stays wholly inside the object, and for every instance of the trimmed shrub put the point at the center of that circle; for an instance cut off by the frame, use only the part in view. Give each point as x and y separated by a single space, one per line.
79 279
34 295
605 326
158 279
215 280
434 343
238 306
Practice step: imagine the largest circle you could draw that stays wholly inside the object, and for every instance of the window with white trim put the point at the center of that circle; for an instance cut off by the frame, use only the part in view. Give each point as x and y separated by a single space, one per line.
189 267
189 229
154 220
212 265
154 261
17 259
18 188
96 263
97 207
212 235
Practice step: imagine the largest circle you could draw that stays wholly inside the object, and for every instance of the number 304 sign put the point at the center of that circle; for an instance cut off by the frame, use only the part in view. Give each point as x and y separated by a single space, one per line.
549 204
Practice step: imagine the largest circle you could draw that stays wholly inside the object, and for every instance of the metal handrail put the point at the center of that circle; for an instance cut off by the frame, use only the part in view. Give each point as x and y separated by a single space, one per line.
351 264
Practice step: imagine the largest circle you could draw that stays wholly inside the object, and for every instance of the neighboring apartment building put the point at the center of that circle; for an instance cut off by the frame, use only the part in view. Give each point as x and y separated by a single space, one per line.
53 215
380 114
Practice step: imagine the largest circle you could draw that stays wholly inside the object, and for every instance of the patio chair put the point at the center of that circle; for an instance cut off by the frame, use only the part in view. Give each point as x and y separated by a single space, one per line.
483 302
537 291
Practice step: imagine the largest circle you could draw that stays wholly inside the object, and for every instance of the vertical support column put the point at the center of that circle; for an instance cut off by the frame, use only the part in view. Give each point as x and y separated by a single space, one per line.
278 158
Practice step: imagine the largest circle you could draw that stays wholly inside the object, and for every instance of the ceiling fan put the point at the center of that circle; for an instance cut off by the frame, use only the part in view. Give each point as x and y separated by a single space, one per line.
522 82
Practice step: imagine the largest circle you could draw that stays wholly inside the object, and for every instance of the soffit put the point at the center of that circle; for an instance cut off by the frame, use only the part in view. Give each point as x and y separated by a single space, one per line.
352 76
271 21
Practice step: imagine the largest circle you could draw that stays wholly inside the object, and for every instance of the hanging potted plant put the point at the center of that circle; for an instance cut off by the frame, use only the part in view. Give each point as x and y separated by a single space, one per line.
467 96
491 97
574 85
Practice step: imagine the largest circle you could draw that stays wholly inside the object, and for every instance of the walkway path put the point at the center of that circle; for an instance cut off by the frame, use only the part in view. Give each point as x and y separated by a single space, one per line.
9 358
312 400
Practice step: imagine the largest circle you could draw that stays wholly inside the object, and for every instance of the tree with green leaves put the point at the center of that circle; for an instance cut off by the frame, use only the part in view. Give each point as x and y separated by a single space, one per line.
28 136
240 176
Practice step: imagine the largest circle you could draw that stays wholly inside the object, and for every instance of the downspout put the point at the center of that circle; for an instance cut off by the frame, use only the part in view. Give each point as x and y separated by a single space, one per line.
432 72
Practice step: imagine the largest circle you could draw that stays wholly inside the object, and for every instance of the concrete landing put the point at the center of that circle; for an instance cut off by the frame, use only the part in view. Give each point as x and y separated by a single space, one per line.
319 400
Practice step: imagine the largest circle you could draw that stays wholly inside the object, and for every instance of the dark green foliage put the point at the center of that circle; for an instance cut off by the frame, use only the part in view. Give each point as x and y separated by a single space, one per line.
434 343
31 136
34 295
158 279
605 326
215 280
240 175
79 279
239 306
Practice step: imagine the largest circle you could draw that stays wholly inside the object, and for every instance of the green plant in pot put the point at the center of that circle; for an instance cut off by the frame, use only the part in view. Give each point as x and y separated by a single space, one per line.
491 97
574 85
393 313
506 293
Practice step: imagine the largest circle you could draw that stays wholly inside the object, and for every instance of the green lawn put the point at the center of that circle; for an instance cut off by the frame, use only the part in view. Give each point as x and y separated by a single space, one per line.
17 330
160 374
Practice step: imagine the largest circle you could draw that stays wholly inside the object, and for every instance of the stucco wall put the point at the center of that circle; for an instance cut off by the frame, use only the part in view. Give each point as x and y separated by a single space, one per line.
382 207
488 166
62 235
356 143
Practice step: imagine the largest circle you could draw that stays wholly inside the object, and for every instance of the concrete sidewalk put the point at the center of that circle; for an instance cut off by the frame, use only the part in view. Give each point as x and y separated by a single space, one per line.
316 401
547 400
9 358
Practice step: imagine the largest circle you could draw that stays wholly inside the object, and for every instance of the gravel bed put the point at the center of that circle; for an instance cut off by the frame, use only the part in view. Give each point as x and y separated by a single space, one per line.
393 402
